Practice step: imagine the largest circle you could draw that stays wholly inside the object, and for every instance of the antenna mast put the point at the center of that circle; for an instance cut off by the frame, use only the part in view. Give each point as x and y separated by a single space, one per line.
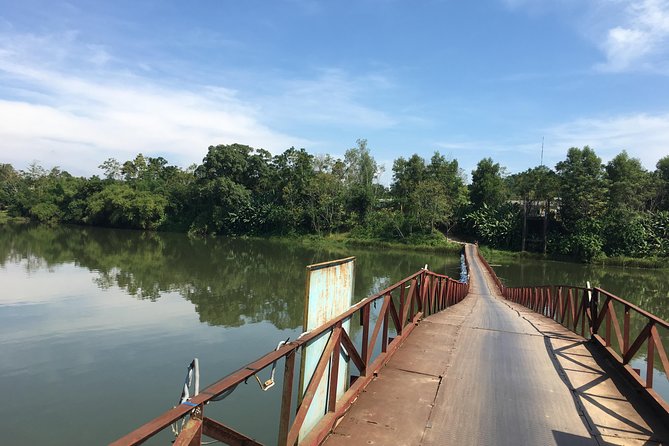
542 151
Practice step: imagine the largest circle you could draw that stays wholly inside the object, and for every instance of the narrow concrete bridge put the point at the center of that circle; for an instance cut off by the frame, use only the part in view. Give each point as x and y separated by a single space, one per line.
468 364
491 372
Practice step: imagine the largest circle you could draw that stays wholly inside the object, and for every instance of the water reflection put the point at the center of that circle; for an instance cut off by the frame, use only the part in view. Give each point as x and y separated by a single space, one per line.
119 314
230 281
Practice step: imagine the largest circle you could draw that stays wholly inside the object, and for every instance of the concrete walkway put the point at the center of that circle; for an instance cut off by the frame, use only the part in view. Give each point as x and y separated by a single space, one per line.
489 372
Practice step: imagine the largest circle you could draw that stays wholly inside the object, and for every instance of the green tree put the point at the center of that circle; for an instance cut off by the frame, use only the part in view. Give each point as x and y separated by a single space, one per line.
629 183
361 171
112 169
221 201
326 202
536 188
448 173
497 227
488 188
10 184
427 194
583 199
583 187
293 173
431 204
662 183
407 174
122 206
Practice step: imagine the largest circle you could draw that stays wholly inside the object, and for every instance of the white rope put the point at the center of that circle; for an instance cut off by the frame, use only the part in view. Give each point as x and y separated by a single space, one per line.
192 372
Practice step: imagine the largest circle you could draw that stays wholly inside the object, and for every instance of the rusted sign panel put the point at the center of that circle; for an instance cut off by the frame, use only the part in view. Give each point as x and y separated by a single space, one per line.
329 293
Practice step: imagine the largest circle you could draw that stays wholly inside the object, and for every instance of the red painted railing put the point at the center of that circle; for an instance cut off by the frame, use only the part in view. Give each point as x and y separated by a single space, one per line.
594 313
402 305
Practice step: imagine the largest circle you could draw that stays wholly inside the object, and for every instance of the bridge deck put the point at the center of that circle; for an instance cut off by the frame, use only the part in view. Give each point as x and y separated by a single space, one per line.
489 372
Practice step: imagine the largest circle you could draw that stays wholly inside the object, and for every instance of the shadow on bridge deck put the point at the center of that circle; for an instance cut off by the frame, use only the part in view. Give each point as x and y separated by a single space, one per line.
490 372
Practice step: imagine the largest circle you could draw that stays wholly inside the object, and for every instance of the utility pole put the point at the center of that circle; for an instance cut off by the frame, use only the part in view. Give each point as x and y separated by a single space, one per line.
547 204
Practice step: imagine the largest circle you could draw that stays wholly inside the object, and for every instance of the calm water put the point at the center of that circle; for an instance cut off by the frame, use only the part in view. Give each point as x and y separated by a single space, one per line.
97 326
647 288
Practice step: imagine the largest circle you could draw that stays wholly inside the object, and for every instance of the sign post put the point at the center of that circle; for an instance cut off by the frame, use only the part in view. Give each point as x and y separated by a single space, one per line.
329 293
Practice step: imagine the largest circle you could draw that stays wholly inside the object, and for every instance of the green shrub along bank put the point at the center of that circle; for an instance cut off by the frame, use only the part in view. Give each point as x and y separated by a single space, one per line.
499 255
583 209
435 242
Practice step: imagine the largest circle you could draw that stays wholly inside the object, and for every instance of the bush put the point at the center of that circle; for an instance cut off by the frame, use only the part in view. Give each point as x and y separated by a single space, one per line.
585 242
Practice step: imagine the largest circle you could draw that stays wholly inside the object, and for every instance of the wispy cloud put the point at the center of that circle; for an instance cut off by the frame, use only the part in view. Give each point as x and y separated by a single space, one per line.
643 135
633 35
61 105
72 103
332 96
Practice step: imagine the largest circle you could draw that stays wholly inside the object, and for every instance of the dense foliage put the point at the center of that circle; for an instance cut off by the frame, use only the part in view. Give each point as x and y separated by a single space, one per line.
582 209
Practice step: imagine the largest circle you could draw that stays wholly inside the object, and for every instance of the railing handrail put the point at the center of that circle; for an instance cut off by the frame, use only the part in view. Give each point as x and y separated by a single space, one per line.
651 316
657 320
425 302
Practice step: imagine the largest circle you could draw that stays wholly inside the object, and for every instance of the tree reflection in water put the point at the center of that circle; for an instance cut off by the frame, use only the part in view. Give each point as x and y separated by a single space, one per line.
230 281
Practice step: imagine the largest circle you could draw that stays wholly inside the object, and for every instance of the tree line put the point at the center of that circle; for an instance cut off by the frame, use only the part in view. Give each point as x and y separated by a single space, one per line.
582 208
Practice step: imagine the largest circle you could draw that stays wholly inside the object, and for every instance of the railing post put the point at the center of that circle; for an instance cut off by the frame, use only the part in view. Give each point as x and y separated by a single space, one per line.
286 398
626 331
650 362
334 373
449 300
384 334
365 335
403 321
594 311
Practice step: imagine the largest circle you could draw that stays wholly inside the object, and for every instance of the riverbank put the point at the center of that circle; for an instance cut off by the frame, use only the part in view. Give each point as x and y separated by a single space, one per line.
497 255
5 219
436 242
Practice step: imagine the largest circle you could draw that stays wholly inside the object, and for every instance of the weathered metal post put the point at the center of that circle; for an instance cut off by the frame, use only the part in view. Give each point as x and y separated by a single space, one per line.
286 398
594 311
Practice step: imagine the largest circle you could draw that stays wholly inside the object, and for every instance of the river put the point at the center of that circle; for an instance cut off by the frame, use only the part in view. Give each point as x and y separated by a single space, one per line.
97 326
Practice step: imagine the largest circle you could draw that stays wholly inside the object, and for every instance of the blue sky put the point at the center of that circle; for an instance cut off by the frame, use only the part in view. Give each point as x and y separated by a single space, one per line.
84 81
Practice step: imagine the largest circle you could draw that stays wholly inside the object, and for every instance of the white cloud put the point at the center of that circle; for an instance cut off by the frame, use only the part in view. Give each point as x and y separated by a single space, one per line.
73 104
632 34
57 109
644 136
641 41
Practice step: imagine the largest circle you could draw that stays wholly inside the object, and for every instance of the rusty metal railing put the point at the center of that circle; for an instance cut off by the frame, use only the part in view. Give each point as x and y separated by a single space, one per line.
402 305
594 313
566 304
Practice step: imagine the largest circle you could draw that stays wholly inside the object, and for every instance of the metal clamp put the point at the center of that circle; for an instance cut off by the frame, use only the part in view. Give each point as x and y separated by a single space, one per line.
265 386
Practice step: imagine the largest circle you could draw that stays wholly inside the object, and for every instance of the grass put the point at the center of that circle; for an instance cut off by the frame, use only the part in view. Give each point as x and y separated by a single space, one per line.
434 243
492 255
5 218
499 254
633 262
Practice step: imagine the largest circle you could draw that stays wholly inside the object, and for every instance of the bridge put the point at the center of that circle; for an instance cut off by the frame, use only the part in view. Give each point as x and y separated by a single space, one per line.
441 362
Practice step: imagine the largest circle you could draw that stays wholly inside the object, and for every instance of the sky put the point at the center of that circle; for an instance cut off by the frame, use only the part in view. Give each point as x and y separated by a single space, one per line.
83 81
